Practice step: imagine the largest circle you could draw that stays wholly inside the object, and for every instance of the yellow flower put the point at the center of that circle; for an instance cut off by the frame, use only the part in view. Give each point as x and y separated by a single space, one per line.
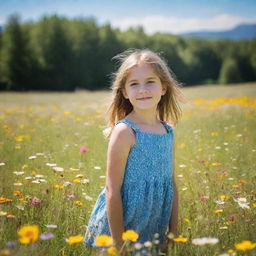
214 134
254 205
245 245
180 239
58 186
216 164
103 241
224 198
4 200
24 166
28 234
186 220
76 181
17 193
219 211
66 113
79 203
130 235
75 239
112 251
200 150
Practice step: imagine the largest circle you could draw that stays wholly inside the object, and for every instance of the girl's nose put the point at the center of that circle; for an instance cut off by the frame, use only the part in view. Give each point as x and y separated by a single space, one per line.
143 87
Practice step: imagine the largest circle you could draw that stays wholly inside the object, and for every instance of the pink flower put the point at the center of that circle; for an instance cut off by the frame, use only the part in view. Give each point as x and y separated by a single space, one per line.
35 201
204 198
83 149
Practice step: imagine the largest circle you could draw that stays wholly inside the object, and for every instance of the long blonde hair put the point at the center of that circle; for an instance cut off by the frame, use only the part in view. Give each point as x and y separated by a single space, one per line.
168 108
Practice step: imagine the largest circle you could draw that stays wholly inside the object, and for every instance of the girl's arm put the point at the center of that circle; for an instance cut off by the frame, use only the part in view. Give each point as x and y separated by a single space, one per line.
173 223
118 149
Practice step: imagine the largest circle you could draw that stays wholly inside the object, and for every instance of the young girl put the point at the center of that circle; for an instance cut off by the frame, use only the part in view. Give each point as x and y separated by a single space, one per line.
140 193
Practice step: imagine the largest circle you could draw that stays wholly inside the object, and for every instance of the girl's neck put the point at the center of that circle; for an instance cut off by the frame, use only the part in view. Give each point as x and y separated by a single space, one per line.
143 117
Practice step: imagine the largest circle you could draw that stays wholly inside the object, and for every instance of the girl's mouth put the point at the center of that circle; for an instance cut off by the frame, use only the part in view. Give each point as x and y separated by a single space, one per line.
145 98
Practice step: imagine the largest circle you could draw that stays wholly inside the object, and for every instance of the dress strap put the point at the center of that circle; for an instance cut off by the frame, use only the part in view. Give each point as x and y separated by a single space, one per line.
130 123
167 126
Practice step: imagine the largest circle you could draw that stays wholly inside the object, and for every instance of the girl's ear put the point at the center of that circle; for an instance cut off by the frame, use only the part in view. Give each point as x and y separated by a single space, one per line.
124 93
164 89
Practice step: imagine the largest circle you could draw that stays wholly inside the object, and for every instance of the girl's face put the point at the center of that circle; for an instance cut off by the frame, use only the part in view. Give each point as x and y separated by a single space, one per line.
143 87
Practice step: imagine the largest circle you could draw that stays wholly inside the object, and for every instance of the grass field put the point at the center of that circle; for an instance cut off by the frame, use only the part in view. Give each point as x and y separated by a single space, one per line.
47 182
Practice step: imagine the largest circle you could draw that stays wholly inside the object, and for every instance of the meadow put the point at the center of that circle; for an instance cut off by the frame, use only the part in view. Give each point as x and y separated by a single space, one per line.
53 163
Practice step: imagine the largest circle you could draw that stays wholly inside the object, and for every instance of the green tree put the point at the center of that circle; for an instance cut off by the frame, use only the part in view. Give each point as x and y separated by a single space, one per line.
229 72
17 58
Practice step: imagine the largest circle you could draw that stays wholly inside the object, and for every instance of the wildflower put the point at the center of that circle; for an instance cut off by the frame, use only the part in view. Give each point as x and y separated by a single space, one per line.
3 213
245 245
107 131
83 149
17 193
17 184
75 239
85 181
180 239
88 198
219 211
28 234
138 246
58 169
46 236
170 235
242 202
103 241
112 251
10 216
186 220
58 186
35 201
32 157
2 164
4 200
76 181
148 244
216 164
205 240
51 165
97 167
51 226
204 198
130 235
79 203
18 173
224 198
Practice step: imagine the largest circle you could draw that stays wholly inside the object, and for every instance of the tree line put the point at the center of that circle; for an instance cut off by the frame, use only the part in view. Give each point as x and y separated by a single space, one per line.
60 54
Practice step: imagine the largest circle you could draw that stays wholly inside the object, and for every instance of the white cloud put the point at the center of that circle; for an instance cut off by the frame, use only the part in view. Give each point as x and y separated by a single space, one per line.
178 25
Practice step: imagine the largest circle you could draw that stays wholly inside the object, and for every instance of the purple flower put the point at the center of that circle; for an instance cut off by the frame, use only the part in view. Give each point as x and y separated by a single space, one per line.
11 244
83 149
47 236
35 201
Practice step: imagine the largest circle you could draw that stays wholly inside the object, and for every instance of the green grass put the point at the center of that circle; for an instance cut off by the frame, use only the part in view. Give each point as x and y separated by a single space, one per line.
59 135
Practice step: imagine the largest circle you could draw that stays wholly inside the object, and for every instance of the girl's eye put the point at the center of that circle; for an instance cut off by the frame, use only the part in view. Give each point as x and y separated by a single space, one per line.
151 81
133 84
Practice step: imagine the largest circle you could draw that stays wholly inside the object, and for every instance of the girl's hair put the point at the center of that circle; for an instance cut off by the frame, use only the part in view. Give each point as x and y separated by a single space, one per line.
168 107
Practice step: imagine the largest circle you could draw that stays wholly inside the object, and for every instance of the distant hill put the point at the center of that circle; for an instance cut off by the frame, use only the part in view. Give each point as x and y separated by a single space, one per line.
243 31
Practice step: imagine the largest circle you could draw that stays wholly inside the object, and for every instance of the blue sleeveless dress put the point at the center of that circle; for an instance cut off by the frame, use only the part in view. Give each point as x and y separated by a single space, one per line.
147 189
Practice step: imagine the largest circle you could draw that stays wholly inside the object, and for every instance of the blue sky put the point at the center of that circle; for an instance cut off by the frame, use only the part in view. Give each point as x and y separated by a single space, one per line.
174 16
